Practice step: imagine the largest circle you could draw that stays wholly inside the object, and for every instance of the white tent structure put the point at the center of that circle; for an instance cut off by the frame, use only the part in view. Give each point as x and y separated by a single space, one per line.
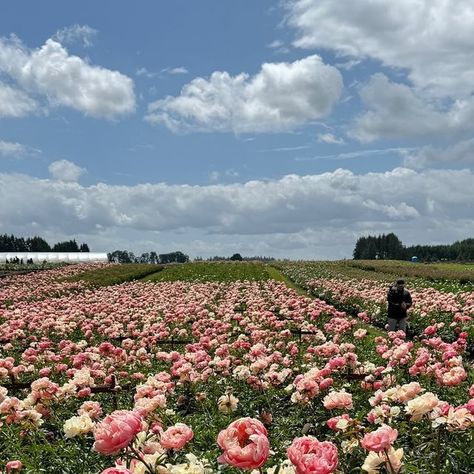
68 257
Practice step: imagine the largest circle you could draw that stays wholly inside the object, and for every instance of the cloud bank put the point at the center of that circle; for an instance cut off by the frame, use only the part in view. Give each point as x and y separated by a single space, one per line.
339 204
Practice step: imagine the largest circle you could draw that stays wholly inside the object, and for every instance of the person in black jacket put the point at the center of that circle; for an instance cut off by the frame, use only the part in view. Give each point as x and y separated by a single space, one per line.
399 300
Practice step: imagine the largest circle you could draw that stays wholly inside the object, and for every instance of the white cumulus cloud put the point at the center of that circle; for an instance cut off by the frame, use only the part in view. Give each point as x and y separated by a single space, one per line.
330 139
281 96
77 33
431 39
15 103
397 111
178 70
67 80
429 42
14 149
461 152
64 170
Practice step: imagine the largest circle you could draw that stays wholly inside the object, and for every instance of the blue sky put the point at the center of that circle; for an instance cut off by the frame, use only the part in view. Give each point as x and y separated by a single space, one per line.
280 128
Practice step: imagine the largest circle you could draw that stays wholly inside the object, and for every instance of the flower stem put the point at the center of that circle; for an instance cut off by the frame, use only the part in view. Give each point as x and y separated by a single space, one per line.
392 470
138 456
438 451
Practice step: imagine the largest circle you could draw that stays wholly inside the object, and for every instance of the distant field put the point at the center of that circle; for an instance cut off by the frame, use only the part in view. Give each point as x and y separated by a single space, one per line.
7 269
212 271
453 277
116 274
464 273
199 271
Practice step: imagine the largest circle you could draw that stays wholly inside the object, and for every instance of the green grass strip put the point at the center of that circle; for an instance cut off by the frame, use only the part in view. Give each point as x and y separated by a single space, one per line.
117 274
212 271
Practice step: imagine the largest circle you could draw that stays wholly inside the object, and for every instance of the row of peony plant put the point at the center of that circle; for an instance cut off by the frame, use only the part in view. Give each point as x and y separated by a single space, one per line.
433 311
34 286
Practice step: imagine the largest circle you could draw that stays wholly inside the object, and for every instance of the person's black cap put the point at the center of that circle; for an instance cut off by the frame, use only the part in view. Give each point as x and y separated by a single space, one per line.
400 282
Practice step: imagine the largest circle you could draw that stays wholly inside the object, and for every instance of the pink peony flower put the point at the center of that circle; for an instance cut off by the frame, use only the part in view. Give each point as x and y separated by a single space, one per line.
176 437
245 444
90 408
339 423
326 383
340 399
379 440
116 431
408 392
430 330
470 406
13 466
310 456
360 333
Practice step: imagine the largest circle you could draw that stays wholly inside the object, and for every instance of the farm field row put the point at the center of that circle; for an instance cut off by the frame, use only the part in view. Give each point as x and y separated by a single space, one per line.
219 376
212 271
432 273
445 312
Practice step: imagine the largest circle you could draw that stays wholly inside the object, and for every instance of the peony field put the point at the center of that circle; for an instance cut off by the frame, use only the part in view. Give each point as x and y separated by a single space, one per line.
235 367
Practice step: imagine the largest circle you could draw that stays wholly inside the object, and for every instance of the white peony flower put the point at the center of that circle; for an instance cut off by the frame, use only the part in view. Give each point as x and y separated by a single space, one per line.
78 425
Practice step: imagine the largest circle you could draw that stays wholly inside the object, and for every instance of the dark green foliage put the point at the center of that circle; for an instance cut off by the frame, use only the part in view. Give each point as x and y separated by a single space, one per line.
380 247
389 247
37 244
11 243
173 257
461 250
66 246
84 248
124 256
121 256
218 258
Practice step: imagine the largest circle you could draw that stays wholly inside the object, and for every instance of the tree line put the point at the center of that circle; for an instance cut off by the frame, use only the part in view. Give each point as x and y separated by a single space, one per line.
125 256
11 243
390 247
236 257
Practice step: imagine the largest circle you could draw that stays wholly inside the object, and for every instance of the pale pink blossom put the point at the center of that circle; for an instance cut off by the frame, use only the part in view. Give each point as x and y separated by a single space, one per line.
341 399
310 456
116 431
245 444
176 437
379 440
421 405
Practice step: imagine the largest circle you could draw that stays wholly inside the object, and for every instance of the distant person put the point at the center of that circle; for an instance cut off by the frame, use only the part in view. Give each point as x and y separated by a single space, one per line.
399 300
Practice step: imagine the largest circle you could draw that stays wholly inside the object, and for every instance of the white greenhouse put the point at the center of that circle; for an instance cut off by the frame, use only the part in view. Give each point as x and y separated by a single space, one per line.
39 257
